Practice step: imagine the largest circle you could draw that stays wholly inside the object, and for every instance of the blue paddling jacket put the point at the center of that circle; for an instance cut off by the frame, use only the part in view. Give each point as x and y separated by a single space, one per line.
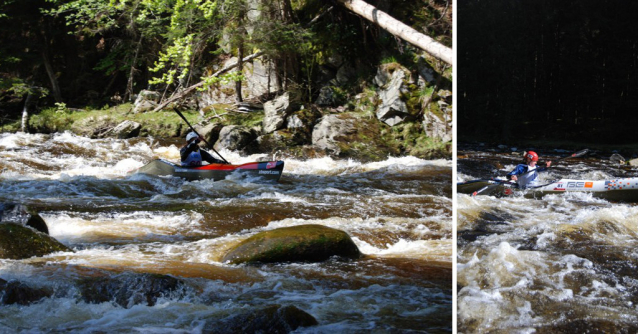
193 156
526 179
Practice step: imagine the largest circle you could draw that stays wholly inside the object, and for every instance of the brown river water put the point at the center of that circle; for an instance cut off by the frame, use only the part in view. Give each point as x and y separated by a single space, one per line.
565 263
398 212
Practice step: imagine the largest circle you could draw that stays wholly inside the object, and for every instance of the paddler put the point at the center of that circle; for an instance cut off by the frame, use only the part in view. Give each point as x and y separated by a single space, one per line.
192 155
526 174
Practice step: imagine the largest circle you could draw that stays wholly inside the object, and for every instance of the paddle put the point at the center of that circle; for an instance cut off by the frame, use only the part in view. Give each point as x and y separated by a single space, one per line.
202 138
573 155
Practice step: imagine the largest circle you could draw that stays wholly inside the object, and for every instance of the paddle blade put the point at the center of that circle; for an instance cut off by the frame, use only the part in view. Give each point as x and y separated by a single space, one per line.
579 153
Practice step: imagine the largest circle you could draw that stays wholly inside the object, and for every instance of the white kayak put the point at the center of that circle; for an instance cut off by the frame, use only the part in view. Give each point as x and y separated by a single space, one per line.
621 190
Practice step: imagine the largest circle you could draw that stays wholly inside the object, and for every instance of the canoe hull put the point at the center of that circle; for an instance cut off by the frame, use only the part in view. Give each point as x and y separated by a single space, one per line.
268 170
618 190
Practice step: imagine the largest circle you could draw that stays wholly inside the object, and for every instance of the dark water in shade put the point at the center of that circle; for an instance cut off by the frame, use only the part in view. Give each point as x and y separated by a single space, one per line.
561 264
398 212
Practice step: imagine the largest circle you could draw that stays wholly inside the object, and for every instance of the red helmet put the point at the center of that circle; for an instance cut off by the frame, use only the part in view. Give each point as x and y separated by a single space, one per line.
531 155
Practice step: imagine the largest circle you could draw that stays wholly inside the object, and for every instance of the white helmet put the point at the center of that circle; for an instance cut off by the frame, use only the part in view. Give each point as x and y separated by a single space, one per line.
190 136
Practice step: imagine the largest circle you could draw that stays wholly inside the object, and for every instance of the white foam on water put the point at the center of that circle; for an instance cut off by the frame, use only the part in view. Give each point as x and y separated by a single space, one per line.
434 250
137 225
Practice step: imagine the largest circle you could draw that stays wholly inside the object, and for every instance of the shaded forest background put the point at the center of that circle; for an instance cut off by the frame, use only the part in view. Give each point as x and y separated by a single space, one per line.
547 70
97 52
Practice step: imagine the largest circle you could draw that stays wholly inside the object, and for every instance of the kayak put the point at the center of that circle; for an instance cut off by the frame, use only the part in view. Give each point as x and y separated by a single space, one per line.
621 190
267 170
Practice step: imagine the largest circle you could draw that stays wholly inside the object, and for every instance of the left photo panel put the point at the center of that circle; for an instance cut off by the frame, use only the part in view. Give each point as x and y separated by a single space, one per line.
233 166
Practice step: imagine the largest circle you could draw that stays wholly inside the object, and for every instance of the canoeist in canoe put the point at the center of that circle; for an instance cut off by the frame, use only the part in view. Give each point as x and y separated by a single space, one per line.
192 155
526 174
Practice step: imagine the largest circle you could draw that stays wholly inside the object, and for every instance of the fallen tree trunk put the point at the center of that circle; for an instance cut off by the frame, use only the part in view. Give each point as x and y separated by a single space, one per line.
401 30
192 88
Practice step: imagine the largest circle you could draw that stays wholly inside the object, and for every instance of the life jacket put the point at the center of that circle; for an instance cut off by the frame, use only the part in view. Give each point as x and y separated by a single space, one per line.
528 179
193 159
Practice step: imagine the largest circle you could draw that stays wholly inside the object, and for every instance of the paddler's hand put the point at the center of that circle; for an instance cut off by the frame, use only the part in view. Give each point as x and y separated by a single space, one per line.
514 178
549 163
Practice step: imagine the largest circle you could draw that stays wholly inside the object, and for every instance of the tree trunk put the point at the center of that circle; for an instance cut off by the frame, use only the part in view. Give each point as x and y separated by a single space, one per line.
240 67
55 87
25 113
129 85
400 29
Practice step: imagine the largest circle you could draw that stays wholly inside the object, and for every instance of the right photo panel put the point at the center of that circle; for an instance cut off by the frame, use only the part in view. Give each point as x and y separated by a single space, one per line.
547 166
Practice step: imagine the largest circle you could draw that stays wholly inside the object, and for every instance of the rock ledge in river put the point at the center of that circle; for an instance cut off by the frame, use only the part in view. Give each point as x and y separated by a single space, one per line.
305 243
19 242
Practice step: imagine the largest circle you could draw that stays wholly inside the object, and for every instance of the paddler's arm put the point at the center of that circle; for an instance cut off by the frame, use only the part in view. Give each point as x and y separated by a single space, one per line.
186 150
520 169
547 165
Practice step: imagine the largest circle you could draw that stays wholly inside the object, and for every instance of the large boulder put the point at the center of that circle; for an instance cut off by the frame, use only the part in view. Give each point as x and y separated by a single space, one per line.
331 130
305 243
235 137
20 242
146 100
128 289
210 131
124 130
275 113
16 292
22 215
270 319
391 78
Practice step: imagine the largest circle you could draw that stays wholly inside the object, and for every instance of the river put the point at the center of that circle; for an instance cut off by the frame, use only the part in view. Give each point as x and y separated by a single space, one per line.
398 212
561 264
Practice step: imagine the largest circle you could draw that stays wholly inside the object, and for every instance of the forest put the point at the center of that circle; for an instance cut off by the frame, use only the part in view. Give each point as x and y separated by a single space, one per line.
547 71
99 53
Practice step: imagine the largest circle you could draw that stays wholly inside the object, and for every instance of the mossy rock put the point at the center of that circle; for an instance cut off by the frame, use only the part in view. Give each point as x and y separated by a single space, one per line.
19 242
305 243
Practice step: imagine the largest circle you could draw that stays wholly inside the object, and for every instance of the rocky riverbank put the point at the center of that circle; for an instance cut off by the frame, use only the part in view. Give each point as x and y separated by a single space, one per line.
403 112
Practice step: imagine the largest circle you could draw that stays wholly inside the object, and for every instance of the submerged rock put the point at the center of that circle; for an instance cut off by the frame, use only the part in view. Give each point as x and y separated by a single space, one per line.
305 243
20 242
15 292
128 289
271 319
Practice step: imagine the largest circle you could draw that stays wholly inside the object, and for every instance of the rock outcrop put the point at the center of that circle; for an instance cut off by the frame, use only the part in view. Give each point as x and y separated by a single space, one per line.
391 78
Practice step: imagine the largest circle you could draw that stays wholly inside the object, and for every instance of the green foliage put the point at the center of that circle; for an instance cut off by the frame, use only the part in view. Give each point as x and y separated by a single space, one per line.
211 81
60 107
175 62
389 60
